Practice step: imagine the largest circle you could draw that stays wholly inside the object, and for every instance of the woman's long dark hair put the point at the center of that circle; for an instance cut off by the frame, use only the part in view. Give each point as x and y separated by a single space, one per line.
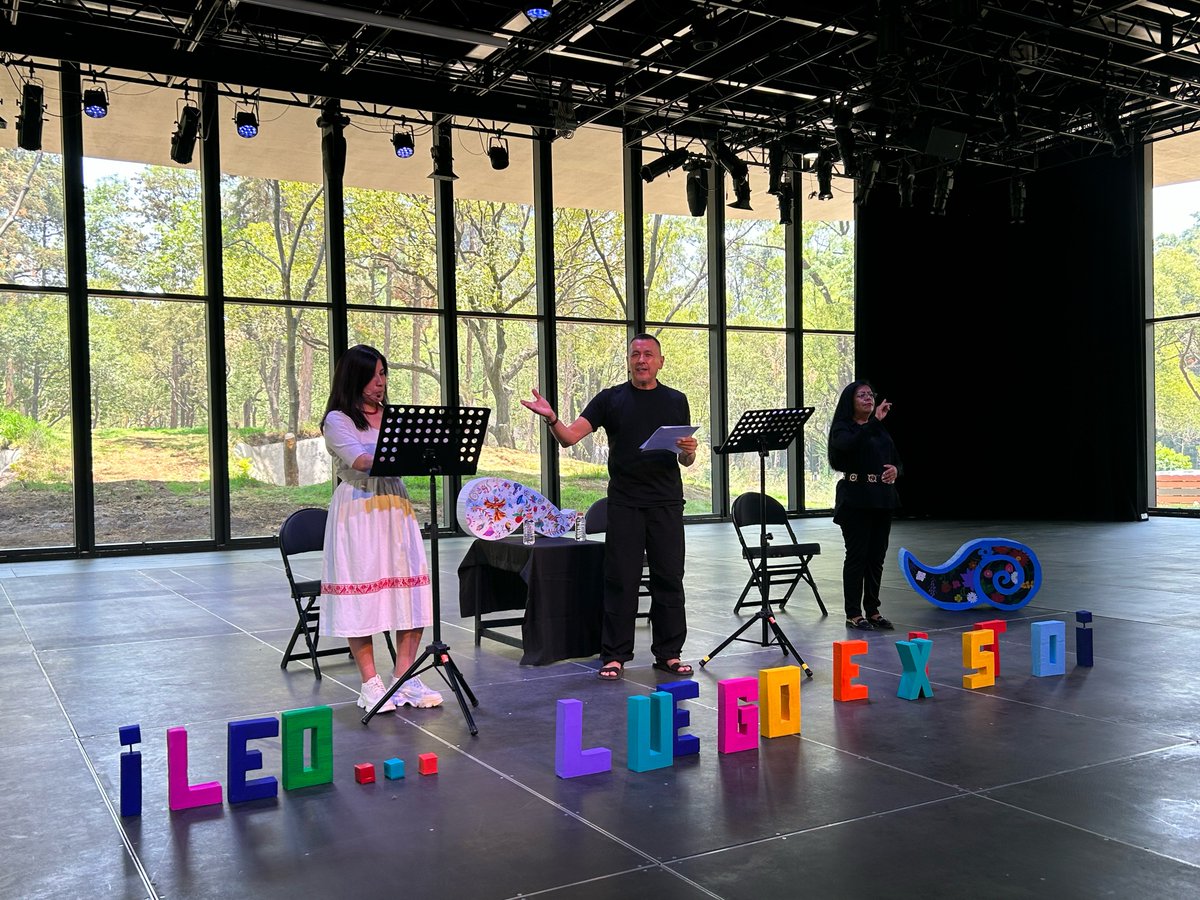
354 372
844 412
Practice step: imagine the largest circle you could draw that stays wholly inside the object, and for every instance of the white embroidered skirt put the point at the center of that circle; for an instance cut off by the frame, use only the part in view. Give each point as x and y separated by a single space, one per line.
375 577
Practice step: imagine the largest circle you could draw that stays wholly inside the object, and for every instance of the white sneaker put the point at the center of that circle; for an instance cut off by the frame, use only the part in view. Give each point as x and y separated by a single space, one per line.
414 693
371 693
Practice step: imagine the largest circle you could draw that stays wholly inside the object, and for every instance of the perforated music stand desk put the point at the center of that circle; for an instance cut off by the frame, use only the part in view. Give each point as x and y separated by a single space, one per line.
433 441
761 431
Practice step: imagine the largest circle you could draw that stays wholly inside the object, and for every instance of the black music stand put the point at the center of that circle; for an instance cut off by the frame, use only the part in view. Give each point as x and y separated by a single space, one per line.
761 431
433 441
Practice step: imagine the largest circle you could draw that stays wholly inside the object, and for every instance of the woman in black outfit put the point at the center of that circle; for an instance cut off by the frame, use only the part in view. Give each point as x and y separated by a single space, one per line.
861 447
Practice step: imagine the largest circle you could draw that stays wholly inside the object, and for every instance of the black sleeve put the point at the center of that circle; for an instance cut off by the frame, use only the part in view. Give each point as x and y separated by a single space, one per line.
596 409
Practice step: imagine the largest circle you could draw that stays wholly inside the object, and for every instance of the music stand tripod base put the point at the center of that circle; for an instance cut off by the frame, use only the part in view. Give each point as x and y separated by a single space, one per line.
433 441
761 431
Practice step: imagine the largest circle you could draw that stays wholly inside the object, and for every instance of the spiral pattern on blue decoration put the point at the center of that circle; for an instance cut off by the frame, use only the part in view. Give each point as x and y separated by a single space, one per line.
998 572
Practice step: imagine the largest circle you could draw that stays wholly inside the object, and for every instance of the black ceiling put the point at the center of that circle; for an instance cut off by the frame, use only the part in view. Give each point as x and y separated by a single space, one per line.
1016 80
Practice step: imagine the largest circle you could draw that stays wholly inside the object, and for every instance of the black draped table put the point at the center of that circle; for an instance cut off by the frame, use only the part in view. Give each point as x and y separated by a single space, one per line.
558 582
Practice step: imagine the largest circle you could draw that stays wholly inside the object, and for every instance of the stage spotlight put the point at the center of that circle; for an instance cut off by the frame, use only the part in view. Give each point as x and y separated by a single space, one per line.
941 189
784 196
402 142
565 118
498 152
906 181
1016 200
737 169
183 141
741 190
1116 134
867 181
704 34
775 157
824 166
697 189
29 122
847 145
537 12
443 162
668 162
95 103
247 123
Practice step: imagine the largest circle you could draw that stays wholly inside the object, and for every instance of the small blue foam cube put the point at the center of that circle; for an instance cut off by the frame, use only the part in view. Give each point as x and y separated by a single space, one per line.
130 735
393 768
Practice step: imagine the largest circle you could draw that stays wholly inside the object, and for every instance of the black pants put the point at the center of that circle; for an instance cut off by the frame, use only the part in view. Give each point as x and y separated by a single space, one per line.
866 534
655 533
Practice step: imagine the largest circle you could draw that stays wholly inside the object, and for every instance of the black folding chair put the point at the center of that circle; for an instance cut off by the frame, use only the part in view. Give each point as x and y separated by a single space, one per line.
595 521
304 532
786 563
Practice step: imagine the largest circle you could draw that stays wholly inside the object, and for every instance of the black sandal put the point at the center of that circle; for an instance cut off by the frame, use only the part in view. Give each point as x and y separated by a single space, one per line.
675 668
878 621
860 623
610 671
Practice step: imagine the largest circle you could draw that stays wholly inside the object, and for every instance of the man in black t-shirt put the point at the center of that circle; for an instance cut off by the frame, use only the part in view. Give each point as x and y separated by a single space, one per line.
645 506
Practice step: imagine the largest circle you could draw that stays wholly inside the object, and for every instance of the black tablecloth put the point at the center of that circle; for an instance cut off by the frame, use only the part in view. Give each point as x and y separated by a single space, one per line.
559 582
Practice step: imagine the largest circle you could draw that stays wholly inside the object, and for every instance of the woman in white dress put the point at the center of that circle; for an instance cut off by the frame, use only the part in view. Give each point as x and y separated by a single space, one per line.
375 577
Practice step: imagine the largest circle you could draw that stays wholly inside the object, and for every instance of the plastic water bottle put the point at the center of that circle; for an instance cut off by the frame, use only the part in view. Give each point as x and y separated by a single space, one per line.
527 537
580 527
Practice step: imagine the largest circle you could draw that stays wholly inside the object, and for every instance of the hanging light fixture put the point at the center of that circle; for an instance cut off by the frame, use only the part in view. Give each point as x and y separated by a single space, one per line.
95 101
183 140
29 122
498 152
697 188
245 119
402 141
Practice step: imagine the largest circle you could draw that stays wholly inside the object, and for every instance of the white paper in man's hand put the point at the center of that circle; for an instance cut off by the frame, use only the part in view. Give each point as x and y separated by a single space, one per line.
667 435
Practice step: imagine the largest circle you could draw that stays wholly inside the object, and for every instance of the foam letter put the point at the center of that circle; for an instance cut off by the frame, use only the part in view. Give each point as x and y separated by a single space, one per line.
180 794
242 760
779 697
131 771
1083 638
1047 640
998 627
296 722
648 732
844 670
737 725
682 744
570 760
914 660
981 662
913 635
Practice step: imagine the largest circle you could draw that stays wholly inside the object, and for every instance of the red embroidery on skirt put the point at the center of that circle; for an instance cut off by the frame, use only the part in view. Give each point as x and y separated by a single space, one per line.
370 587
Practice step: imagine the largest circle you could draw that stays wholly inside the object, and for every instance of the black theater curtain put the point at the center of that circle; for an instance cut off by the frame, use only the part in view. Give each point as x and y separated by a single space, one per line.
1014 354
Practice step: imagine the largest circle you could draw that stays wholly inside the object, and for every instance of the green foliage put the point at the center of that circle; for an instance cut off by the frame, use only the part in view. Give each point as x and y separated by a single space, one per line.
1167 460
45 453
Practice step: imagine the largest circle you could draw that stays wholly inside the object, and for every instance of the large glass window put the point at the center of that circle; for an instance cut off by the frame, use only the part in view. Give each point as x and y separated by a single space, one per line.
590 293
149 403
1175 324
273 235
494 257
36 500
391 267
31 194
827 315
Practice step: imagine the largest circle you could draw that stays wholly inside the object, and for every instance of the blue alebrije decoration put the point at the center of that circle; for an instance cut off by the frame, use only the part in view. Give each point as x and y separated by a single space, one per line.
997 571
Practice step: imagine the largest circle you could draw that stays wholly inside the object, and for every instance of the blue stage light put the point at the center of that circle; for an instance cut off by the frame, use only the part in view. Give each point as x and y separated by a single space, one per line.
537 12
247 123
95 103
402 141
